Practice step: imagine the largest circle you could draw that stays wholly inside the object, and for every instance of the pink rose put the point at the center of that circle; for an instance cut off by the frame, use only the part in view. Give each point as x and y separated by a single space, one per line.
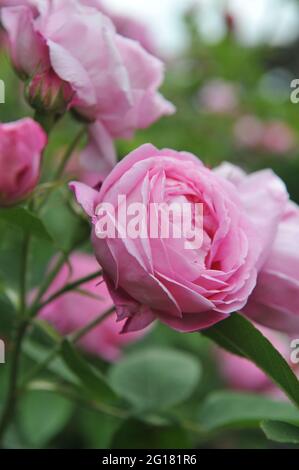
127 26
275 136
241 374
114 80
278 138
218 96
274 302
248 131
187 287
21 146
75 310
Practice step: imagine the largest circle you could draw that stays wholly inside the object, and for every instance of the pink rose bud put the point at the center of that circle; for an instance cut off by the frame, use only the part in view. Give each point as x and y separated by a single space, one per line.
193 280
275 299
48 93
21 146
75 310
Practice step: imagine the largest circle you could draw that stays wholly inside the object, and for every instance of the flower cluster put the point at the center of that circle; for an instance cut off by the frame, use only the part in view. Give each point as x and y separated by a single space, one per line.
77 56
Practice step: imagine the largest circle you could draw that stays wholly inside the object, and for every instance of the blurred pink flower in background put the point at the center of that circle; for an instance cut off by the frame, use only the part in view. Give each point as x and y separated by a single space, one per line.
74 310
248 131
241 374
187 289
219 96
274 136
278 138
21 146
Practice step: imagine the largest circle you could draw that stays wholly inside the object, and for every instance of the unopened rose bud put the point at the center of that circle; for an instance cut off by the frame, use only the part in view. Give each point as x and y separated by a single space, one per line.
21 145
46 92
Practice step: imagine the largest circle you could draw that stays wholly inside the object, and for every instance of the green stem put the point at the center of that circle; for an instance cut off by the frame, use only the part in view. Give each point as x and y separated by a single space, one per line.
68 153
61 167
73 395
23 273
73 338
46 120
21 329
77 335
69 287
46 284
10 402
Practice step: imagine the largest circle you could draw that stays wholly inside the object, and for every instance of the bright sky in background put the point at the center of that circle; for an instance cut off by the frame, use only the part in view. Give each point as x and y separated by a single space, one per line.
274 21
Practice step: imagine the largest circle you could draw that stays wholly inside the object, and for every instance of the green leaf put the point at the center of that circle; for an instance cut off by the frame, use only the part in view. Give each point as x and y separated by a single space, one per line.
227 409
98 428
91 379
155 379
43 415
238 335
281 432
25 220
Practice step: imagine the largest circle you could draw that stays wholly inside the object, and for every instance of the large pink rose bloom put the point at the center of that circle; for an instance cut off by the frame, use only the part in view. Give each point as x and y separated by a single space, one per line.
114 80
187 288
274 302
21 146
74 310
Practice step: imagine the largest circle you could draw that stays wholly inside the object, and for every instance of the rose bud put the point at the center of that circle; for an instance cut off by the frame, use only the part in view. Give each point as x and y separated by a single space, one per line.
74 310
46 92
187 282
21 146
